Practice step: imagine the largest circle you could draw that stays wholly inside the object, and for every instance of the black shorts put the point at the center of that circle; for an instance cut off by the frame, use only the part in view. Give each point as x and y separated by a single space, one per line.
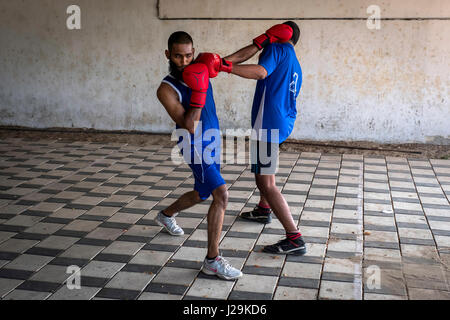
264 157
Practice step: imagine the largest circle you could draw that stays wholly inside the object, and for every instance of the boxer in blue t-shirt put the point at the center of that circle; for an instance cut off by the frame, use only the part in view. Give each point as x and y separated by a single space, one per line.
274 112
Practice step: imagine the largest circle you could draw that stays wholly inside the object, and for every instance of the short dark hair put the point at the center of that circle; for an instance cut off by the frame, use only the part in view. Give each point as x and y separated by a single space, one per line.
296 31
179 37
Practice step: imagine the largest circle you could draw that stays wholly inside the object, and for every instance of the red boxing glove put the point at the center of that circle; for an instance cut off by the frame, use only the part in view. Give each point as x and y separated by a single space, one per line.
277 33
214 63
196 77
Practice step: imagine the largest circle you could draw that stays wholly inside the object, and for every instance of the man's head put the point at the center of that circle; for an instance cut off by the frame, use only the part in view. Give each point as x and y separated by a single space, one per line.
180 52
295 31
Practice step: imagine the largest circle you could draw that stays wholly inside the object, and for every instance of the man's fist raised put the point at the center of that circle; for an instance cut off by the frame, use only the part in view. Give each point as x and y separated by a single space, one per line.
214 63
277 33
196 77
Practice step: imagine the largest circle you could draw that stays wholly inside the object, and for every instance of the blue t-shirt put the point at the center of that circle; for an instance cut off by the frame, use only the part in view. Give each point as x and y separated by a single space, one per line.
274 103
207 134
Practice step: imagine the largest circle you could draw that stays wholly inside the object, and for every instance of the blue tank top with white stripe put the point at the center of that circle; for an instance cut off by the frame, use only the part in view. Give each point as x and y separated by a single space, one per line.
208 116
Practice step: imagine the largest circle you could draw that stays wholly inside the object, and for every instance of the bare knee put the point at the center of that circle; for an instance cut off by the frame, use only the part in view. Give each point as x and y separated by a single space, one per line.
220 197
265 186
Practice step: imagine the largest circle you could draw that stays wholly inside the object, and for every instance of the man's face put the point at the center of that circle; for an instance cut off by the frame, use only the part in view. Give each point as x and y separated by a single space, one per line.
181 55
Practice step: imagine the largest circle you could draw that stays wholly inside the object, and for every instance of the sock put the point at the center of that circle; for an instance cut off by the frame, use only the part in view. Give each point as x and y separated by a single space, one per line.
165 214
263 206
293 235
211 259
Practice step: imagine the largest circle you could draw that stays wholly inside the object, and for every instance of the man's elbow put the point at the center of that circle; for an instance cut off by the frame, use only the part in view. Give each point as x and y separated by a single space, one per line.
262 73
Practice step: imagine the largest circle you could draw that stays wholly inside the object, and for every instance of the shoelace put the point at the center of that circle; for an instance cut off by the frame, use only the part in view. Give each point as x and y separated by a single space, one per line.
225 263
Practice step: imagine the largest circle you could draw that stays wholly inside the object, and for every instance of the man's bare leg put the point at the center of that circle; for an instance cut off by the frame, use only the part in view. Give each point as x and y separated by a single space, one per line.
215 217
187 200
271 194
165 218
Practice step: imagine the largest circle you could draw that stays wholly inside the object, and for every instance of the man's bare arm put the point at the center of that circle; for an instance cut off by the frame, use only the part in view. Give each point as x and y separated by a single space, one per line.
243 54
169 99
250 71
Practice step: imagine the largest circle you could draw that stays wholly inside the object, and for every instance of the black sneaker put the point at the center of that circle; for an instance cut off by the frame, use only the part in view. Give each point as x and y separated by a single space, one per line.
258 214
287 246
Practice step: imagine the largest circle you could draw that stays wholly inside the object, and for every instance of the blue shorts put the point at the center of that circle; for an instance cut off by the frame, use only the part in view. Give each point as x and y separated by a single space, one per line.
207 178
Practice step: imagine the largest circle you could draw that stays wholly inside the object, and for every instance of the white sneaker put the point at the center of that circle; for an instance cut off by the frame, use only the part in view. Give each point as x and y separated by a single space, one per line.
221 268
169 224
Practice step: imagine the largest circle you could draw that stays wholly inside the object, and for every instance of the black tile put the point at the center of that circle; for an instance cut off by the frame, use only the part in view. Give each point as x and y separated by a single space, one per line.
382 264
58 200
129 238
246 235
44 251
71 233
120 294
195 244
299 282
412 225
15 197
36 213
340 254
166 288
264 271
304 258
93 281
410 212
399 189
309 239
116 225
40 286
234 253
135 210
422 242
374 190
198 298
345 220
377 201
438 218
445 233
142 268
57 220
15 274
405 200
8 255
313 223
160 247
93 217
6 216
185 264
112 204
26 203
379 228
381 245
95 242
273 231
436 206
244 295
31 236
5 227
78 206
337 276
113 257
377 213
346 207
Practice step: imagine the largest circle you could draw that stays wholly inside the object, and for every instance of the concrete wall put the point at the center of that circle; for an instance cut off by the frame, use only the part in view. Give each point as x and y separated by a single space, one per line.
386 85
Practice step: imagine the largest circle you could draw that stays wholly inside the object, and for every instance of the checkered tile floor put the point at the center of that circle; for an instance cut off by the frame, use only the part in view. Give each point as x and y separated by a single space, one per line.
376 227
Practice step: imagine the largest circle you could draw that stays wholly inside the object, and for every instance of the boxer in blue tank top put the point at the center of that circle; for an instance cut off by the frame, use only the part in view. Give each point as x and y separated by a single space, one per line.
199 140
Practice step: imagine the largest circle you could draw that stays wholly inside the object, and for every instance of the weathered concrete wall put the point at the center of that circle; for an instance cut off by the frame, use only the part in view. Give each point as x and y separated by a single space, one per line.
386 85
